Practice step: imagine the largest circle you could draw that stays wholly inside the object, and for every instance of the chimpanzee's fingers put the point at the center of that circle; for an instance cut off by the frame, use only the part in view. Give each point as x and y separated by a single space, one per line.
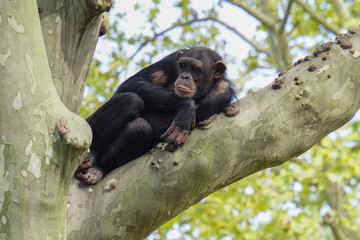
166 134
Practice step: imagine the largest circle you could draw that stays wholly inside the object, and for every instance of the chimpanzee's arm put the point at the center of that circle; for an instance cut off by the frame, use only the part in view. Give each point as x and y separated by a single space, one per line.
155 97
215 101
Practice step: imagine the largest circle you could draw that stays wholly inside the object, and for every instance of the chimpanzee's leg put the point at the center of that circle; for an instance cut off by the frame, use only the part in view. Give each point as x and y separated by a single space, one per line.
106 123
131 142
135 140
110 118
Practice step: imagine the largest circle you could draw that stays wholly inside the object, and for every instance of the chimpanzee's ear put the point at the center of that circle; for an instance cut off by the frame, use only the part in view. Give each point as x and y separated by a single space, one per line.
220 69
178 55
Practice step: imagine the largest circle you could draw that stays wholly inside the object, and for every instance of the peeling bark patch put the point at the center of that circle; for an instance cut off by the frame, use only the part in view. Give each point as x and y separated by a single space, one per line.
356 54
2 158
23 173
253 131
171 183
35 165
322 69
338 94
3 58
121 230
57 19
17 101
30 65
48 154
28 148
3 219
19 28
0 18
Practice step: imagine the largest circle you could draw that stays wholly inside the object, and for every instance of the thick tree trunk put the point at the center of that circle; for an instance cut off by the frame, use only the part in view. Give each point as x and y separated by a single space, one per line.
41 141
316 97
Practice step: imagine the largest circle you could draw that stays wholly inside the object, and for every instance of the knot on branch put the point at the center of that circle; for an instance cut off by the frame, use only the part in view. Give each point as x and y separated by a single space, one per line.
62 127
100 5
103 27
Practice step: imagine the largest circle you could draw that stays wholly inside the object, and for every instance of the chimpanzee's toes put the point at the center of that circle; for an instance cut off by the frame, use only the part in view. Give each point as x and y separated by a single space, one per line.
91 176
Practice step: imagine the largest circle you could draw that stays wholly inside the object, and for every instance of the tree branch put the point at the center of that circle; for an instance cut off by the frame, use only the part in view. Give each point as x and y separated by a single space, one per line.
227 26
255 44
273 126
335 197
265 20
341 9
286 17
318 17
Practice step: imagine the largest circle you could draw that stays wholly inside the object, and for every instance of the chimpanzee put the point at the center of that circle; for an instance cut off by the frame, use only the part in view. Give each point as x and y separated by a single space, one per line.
162 101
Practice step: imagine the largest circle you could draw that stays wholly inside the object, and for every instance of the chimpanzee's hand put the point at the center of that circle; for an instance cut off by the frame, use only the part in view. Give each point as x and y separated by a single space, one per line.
175 135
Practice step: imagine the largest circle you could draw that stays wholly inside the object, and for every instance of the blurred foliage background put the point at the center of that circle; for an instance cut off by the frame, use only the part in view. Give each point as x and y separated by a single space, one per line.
314 196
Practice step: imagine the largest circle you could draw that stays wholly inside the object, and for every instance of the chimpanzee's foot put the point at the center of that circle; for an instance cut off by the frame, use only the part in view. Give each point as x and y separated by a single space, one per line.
91 175
86 162
87 171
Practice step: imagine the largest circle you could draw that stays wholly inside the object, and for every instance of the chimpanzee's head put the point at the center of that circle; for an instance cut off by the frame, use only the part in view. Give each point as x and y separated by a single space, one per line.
199 68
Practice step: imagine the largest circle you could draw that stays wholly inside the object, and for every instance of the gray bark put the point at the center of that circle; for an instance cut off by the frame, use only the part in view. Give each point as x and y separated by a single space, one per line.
41 141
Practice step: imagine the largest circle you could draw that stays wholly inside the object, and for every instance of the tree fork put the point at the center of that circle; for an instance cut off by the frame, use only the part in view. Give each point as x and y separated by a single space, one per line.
71 29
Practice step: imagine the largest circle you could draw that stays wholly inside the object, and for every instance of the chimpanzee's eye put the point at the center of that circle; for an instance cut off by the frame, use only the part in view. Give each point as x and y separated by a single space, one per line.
182 65
195 69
